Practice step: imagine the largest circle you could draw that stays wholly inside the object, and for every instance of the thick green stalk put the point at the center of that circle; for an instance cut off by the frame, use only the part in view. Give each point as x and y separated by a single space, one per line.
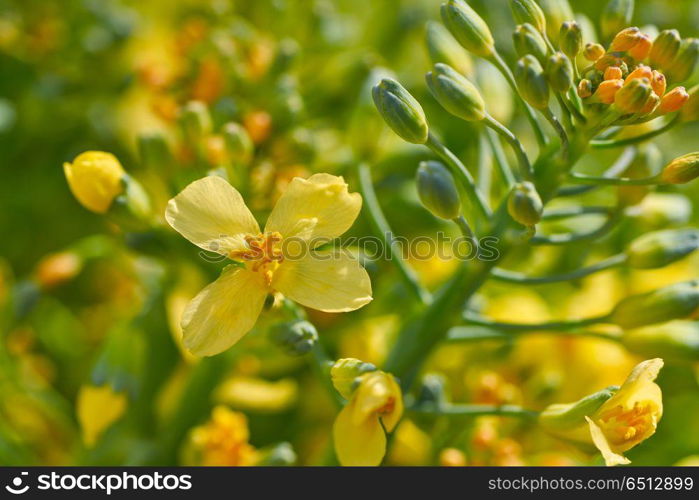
383 230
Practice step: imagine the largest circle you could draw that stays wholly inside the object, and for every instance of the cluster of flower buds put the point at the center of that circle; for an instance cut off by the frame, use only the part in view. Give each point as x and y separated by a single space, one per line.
633 74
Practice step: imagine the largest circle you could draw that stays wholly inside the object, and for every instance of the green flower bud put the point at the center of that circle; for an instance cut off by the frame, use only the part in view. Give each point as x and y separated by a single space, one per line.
401 111
681 170
524 204
344 374
675 341
238 143
632 97
437 191
531 82
468 27
690 111
665 48
432 391
570 39
682 67
528 11
567 421
660 248
560 72
296 338
527 40
615 17
671 302
557 12
195 120
443 48
455 93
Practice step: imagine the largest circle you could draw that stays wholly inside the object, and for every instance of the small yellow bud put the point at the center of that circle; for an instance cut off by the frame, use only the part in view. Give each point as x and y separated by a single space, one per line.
607 90
469 29
650 104
674 100
665 48
95 179
344 375
625 39
681 170
641 49
613 73
641 71
593 51
524 204
658 82
607 60
585 88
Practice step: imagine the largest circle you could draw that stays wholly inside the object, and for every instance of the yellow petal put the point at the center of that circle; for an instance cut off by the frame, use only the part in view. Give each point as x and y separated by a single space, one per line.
223 312
315 209
391 419
378 392
600 441
362 444
94 179
211 214
97 409
327 281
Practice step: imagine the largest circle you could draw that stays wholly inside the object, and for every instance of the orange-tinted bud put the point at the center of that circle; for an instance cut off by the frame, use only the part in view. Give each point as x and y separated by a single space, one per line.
585 88
674 100
658 82
625 39
650 104
641 49
593 51
612 73
632 97
606 61
607 90
642 71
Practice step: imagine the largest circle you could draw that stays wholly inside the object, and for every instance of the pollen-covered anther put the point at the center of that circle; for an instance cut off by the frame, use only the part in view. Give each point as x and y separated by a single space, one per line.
263 252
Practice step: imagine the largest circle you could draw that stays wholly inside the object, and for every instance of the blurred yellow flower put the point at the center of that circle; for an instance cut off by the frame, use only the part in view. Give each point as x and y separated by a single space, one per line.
95 179
630 416
98 407
376 404
256 394
284 258
222 441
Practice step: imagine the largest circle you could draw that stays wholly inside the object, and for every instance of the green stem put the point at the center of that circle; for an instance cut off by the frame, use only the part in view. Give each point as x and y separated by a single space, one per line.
500 158
564 213
461 172
523 279
613 181
567 238
469 410
485 172
623 162
462 334
465 228
549 325
565 143
565 111
382 230
601 144
500 64
525 167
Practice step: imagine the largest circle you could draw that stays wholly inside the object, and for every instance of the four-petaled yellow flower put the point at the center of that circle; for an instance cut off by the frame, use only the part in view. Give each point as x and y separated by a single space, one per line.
630 416
375 405
283 258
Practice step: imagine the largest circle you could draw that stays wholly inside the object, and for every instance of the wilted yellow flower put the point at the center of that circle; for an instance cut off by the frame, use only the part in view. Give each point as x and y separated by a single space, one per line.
97 409
375 405
212 214
95 179
222 441
629 416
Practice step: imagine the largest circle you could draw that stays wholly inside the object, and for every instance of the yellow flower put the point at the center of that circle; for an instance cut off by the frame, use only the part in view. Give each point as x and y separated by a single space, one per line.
222 441
95 179
630 416
284 258
97 409
377 404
